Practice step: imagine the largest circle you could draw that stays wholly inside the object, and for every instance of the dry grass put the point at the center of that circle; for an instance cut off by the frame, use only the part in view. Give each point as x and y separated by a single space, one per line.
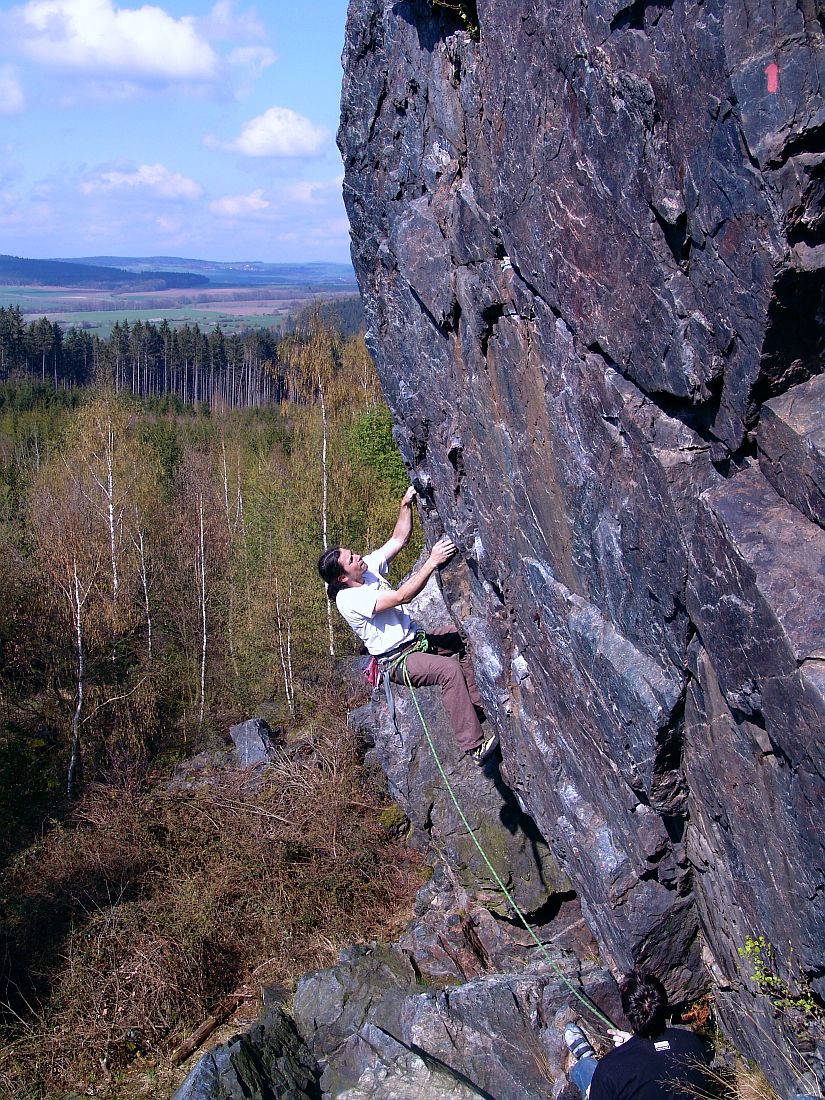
733 1077
129 924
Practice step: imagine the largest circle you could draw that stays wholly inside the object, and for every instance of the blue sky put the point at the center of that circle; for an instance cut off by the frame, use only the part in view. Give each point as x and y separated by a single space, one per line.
201 128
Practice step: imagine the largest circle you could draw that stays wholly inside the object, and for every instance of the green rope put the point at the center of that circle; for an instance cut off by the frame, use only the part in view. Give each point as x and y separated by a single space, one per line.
576 993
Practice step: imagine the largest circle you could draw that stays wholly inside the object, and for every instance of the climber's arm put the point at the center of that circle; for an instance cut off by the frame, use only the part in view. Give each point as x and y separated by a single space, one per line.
440 553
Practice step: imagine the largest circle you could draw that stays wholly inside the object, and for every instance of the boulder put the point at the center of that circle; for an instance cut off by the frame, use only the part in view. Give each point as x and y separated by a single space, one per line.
268 1061
199 771
253 741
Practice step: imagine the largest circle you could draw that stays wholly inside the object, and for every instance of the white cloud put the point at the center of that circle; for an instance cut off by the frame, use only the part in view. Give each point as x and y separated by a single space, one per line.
254 60
11 169
152 177
314 192
74 94
45 189
11 94
98 36
279 132
236 206
225 21
31 218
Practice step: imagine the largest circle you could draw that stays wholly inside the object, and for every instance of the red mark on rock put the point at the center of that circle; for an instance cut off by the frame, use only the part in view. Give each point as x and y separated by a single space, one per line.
772 73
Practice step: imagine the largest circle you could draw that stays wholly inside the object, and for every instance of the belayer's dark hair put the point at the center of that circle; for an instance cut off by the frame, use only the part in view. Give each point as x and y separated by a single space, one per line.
644 1002
329 566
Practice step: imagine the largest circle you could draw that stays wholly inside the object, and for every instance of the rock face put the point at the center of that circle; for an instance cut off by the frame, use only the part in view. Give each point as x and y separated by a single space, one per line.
517 851
381 1030
591 244
496 1036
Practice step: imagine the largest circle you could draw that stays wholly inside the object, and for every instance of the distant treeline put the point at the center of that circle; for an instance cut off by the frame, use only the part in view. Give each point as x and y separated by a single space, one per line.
16 271
156 360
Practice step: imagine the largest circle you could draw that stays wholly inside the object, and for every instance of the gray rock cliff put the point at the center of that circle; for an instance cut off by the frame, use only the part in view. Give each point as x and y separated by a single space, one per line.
511 842
591 244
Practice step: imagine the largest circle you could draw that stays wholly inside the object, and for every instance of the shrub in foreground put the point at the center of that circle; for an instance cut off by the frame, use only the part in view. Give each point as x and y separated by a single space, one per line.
133 921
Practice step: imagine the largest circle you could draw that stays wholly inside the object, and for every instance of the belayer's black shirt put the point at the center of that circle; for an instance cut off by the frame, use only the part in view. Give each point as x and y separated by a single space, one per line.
670 1067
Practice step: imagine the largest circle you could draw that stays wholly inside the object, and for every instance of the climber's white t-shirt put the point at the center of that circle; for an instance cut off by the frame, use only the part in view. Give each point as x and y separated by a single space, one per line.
379 632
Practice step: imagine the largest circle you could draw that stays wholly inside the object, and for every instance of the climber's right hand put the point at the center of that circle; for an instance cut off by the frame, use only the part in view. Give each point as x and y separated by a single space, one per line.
443 551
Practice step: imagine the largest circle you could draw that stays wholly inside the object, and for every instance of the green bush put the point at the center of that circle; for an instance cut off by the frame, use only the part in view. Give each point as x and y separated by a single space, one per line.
466 11
794 994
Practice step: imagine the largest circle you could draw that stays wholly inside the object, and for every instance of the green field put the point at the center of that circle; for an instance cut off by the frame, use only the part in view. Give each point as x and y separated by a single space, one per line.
237 297
101 322
176 308
28 297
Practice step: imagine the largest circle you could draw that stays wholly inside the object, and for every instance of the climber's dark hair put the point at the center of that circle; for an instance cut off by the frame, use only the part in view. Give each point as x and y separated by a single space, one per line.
329 567
644 1003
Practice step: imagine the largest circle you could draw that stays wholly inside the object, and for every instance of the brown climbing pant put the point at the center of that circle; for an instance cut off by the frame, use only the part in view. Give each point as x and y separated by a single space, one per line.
459 693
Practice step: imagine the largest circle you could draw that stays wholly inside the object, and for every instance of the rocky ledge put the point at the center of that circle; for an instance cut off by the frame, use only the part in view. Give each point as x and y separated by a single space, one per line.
466 1011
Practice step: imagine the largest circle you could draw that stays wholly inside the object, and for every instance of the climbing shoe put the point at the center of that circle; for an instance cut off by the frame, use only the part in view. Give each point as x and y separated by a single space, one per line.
485 750
577 1043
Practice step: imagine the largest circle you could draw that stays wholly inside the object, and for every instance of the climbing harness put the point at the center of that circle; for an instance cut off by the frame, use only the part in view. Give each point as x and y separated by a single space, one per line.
401 660
388 662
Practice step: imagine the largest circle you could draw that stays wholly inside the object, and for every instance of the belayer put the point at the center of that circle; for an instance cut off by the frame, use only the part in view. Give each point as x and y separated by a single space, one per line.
653 1062
377 614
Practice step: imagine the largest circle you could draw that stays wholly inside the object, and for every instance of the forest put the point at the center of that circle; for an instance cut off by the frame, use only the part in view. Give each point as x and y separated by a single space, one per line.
159 360
157 571
147 360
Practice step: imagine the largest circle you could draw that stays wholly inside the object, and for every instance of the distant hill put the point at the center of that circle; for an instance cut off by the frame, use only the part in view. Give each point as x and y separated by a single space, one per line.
15 271
328 276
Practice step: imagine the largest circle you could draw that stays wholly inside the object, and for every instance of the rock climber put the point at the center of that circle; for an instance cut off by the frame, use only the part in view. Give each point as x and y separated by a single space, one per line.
377 614
653 1062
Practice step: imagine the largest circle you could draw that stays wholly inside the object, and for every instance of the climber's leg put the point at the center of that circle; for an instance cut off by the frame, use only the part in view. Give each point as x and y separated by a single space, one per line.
429 669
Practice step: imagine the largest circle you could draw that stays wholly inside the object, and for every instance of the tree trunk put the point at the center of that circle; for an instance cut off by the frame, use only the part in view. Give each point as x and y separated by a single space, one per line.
231 536
325 506
75 774
140 546
202 586
285 649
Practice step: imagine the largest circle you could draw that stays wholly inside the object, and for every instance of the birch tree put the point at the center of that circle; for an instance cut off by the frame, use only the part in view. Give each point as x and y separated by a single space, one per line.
61 527
284 625
195 568
105 469
234 515
313 356
139 543
77 593
201 580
